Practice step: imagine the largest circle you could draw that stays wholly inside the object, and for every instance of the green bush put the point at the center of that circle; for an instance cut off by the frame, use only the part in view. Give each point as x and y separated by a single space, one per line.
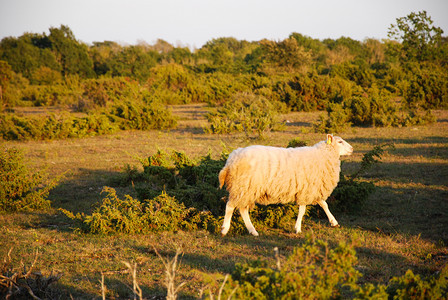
352 192
337 120
122 115
411 286
317 270
21 189
141 115
49 127
314 270
369 109
131 215
428 87
246 113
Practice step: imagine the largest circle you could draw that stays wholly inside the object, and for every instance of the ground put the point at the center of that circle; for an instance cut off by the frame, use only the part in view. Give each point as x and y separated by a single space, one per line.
403 225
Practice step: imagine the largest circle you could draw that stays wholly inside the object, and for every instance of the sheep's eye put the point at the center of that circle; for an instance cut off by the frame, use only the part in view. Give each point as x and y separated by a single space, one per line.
340 142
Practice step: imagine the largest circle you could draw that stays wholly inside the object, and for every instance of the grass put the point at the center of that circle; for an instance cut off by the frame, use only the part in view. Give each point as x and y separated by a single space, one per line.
403 225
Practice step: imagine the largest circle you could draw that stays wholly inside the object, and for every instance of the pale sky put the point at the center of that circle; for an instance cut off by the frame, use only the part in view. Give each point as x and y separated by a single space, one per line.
194 22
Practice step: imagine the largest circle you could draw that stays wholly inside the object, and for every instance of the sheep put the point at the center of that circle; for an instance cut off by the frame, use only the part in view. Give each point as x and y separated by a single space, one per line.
271 175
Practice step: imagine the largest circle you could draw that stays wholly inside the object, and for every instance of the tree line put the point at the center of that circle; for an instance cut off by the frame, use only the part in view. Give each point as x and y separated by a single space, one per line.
374 79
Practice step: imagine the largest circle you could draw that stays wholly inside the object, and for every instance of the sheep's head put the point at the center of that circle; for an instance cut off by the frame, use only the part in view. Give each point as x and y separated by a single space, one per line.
341 146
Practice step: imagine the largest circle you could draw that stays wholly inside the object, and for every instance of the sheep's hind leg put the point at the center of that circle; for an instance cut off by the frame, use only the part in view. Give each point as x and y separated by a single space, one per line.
331 218
245 215
227 219
302 210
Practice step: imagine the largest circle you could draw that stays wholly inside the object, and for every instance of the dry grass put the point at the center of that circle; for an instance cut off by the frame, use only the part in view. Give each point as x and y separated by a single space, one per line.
403 226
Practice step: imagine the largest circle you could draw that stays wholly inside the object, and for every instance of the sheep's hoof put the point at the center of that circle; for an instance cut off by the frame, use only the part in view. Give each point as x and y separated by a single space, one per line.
254 233
335 226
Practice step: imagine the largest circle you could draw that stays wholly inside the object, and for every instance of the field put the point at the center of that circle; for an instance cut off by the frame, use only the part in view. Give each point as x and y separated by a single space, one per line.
402 226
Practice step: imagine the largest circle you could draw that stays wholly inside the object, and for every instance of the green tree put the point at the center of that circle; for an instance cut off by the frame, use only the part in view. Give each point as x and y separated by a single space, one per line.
134 62
71 55
27 53
419 37
286 55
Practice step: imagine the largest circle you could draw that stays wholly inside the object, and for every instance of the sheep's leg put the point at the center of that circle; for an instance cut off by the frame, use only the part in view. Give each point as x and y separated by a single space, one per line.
302 210
331 218
245 214
227 219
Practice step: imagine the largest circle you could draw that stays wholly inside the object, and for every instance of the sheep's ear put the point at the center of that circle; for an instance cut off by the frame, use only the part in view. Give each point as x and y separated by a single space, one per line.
329 139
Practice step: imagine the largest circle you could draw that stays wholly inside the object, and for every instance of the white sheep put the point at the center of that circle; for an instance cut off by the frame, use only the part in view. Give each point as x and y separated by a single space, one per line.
269 175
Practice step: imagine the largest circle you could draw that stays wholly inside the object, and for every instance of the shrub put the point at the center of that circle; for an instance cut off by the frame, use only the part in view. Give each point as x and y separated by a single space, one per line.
337 119
122 115
317 270
142 116
411 286
369 109
130 215
296 142
313 270
352 191
49 127
428 88
246 113
20 188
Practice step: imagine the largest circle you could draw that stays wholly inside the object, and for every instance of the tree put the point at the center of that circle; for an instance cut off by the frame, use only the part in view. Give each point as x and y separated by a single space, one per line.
134 62
419 37
286 55
71 55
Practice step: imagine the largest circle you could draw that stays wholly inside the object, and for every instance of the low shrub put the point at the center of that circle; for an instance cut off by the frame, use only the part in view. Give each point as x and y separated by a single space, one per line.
369 109
248 113
313 270
412 286
22 189
129 215
141 115
318 270
122 115
352 191
13 127
337 120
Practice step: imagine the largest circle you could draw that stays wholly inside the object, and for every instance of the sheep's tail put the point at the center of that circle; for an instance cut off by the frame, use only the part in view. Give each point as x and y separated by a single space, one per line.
222 177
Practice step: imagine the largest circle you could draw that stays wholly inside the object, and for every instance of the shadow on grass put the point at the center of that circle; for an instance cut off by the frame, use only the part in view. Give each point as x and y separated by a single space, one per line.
115 289
375 141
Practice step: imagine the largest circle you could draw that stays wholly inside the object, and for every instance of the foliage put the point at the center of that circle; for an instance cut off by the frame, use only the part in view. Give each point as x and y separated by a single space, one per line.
337 120
121 115
296 142
412 286
317 270
21 189
369 109
357 83
14 127
420 39
130 215
313 270
246 113
352 191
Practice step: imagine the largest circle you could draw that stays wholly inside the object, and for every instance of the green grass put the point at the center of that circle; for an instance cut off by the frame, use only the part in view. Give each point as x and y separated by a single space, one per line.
402 226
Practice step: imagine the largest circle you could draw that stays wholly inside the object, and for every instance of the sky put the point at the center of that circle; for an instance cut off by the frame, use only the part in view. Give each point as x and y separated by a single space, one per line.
194 22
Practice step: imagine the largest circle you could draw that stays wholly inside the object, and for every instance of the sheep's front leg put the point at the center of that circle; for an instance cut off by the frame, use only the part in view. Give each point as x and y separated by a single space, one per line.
331 218
302 210
227 219
245 215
